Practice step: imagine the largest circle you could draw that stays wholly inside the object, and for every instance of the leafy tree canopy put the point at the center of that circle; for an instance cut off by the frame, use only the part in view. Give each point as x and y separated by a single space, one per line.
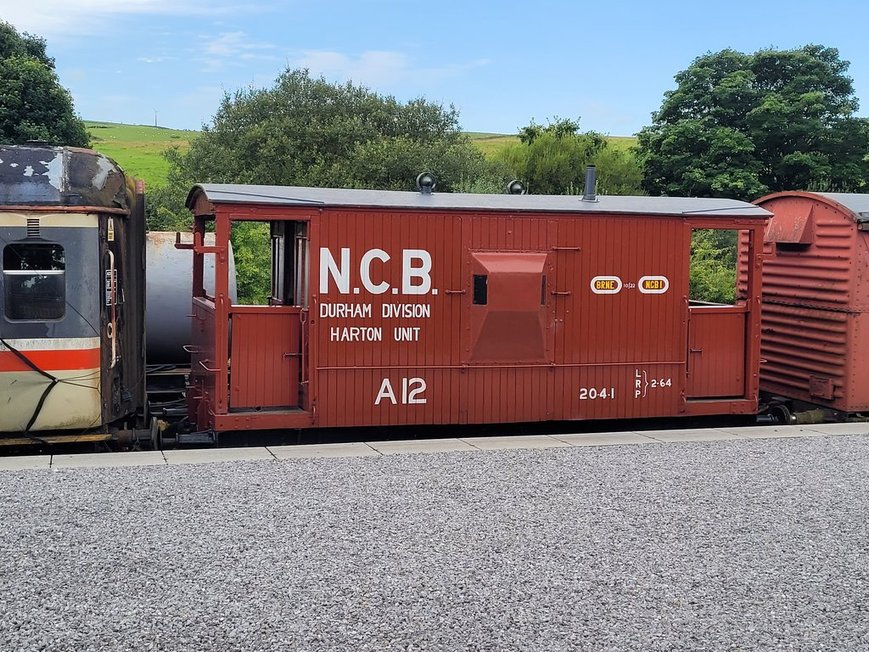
308 132
551 160
305 131
33 104
713 266
740 125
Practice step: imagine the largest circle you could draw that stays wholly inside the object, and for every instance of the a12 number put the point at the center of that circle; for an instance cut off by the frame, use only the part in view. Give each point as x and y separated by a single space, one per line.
411 389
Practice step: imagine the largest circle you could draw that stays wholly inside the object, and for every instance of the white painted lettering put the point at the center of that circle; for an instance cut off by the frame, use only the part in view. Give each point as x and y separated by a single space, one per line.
409 271
411 390
415 274
328 267
355 334
406 310
386 391
345 310
365 271
410 334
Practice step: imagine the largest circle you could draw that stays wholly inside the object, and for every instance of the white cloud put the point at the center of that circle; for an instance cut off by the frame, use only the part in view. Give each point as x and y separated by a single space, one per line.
373 68
157 59
233 44
377 68
62 17
231 48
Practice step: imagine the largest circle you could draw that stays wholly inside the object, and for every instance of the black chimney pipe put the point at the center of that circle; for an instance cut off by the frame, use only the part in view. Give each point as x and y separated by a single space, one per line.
590 182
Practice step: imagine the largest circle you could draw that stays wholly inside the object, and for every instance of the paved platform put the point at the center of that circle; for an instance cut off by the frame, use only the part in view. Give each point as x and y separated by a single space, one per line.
398 447
602 541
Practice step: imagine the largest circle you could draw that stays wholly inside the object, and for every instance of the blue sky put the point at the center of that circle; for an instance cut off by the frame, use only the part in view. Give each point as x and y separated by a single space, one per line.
501 64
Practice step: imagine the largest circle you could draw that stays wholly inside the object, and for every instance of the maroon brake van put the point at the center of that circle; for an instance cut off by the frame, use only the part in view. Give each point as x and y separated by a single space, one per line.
391 308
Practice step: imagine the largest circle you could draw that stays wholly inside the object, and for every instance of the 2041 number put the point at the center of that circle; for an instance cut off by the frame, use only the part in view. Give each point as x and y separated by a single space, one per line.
596 393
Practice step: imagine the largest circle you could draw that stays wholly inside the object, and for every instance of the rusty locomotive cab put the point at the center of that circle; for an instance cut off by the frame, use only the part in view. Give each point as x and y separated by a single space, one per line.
72 292
390 308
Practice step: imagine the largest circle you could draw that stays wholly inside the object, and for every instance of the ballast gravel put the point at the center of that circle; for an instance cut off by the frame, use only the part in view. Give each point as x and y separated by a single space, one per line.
736 545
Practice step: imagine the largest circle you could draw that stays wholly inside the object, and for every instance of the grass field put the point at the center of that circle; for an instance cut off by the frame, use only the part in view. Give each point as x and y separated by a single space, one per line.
138 148
491 143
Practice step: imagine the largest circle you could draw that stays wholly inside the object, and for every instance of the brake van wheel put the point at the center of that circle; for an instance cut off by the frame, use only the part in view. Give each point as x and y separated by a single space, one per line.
782 414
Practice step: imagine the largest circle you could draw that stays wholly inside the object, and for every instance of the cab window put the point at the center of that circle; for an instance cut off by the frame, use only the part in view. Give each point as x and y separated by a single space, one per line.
34 281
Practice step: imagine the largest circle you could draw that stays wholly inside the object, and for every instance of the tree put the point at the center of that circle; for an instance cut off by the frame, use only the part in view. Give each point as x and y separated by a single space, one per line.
551 160
33 104
306 131
713 265
741 125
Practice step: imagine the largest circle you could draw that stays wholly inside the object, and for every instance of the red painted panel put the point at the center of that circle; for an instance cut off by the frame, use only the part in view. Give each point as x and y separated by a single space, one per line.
508 322
820 273
411 353
50 360
392 340
266 351
816 356
201 395
716 353
816 304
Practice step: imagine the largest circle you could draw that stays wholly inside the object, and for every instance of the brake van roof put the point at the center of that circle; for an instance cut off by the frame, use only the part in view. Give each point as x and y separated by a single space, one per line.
352 198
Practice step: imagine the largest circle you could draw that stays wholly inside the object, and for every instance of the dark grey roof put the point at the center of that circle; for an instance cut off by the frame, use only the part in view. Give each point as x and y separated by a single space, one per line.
334 197
66 176
854 202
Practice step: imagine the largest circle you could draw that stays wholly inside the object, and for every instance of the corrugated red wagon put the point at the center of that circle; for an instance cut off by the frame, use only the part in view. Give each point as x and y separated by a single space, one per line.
391 308
816 299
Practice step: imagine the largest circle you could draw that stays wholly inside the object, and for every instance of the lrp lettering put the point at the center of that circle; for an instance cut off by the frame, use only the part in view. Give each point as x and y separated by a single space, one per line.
415 271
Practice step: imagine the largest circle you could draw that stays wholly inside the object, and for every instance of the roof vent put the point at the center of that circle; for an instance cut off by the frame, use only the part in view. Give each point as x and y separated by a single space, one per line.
32 227
516 187
590 183
426 182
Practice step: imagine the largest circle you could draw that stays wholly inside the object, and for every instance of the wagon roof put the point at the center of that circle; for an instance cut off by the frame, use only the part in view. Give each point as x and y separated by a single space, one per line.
336 197
856 203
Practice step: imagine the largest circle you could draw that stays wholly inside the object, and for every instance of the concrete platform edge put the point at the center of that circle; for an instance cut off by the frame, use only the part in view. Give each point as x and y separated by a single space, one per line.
423 446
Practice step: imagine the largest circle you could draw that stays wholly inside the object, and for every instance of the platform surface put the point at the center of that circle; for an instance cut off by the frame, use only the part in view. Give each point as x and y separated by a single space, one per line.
399 447
732 539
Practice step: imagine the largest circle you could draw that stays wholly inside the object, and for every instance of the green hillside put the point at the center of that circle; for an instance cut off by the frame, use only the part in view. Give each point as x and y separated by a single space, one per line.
138 148
490 143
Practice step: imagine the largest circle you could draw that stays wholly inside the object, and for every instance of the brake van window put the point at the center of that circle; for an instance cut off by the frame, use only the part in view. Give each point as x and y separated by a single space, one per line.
34 278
